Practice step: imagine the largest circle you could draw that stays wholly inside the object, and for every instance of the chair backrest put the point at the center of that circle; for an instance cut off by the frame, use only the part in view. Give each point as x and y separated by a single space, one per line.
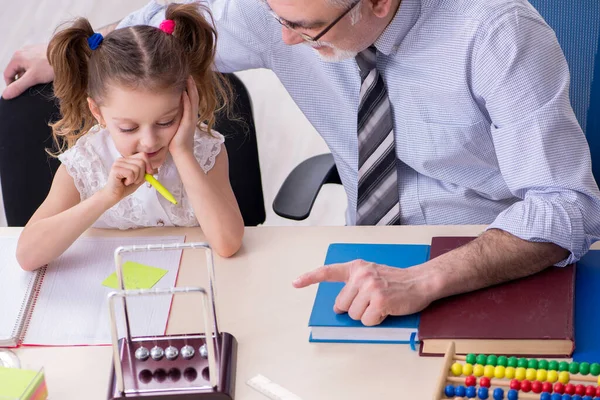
577 27
242 150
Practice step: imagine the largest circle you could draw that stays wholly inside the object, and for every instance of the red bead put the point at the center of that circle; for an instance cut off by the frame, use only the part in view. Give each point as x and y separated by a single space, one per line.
536 387
484 381
515 384
525 385
598 391
559 388
580 390
547 387
470 380
590 391
569 388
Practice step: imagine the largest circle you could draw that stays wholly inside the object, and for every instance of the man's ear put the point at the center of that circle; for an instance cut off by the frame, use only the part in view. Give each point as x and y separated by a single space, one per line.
95 109
381 8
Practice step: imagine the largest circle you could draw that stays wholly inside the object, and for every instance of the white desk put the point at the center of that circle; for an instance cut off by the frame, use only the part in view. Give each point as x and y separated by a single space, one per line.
268 317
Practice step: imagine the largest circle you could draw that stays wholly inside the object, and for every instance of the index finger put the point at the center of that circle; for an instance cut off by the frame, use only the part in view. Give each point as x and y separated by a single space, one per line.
326 273
12 69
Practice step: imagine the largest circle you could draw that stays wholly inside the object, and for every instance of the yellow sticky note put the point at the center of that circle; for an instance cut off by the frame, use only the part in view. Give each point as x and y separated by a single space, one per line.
16 383
136 276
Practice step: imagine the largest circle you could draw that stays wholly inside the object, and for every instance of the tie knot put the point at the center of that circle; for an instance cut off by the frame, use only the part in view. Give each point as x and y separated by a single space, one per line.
366 60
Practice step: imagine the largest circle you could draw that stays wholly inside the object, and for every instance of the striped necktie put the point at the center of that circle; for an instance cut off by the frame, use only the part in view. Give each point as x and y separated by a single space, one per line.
377 178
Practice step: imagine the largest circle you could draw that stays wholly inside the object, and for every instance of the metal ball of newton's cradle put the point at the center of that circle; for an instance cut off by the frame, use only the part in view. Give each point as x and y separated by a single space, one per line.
203 351
142 353
187 352
171 353
157 353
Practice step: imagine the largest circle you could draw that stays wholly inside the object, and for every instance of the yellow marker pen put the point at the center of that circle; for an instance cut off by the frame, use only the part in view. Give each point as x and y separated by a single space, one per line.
160 188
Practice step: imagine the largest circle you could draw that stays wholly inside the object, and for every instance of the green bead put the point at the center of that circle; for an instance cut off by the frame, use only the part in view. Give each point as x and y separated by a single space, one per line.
492 360
584 368
543 364
532 363
502 360
553 365
574 367
481 359
595 369
522 363
471 359
512 362
563 366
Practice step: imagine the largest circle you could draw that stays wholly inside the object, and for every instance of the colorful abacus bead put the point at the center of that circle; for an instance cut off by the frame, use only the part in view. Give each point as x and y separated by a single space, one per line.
552 376
456 369
467 369
488 371
569 388
492 360
481 359
471 358
547 387
595 369
512 362
564 377
509 372
598 391
449 391
470 380
522 363
478 370
543 364
530 374
590 391
503 361
574 367
499 372
485 382
563 366
515 384
553 365
520 373
556 396
559 388
460 391
526 386
483 393
576 397
512 395
498 394
536 387
471 392
532 363
586 397
541 375
580 390
584 368
546 396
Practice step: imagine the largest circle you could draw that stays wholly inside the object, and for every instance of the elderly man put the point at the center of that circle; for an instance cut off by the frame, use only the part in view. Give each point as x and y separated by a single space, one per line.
436 112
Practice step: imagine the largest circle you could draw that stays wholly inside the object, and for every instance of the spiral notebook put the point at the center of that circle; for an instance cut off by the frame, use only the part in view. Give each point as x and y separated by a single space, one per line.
65 304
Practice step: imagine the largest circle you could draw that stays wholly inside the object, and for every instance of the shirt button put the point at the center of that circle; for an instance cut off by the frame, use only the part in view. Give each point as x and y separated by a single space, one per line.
160 222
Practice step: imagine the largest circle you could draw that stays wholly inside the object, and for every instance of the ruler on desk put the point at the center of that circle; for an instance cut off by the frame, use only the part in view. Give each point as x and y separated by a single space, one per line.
270 389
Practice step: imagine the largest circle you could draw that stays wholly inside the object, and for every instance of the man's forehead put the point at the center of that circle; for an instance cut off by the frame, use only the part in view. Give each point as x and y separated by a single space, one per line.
304 13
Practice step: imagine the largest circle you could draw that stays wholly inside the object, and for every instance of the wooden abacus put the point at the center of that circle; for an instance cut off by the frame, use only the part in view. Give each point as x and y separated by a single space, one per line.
500 377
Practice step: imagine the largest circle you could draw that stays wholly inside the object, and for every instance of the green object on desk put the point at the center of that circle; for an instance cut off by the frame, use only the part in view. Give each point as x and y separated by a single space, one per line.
136 276
15 381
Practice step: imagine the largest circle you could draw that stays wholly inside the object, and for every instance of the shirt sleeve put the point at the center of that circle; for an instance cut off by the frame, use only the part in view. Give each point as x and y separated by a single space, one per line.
520 76
207 148
242 40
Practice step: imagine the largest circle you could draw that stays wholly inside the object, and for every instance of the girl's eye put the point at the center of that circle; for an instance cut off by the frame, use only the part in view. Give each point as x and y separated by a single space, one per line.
166 124
127 130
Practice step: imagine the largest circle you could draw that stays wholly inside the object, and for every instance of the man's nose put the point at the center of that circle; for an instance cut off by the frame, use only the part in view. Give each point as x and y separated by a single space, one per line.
290 37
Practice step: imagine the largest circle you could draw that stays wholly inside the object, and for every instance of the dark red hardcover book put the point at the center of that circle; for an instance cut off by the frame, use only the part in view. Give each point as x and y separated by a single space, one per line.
531 316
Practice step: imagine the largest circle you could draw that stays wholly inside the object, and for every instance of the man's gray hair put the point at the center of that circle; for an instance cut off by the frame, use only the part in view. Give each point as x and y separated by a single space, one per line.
355 14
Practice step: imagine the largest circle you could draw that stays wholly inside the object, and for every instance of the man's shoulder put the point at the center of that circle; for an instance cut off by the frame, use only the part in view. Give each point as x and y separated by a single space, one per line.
482 11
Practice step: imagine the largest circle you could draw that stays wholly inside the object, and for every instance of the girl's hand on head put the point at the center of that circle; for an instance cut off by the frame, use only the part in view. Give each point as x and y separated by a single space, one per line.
126 176
183 141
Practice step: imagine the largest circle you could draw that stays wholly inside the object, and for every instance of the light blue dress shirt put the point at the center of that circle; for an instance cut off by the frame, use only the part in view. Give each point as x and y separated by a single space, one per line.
484 129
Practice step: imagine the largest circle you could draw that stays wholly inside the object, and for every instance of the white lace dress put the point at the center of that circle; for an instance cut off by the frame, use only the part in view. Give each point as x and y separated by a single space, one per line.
89 162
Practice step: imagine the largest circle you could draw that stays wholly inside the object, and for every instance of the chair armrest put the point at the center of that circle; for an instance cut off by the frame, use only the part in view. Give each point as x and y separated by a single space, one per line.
297 195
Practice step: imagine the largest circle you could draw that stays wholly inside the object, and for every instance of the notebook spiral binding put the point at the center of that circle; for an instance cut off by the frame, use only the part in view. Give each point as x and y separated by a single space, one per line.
21 330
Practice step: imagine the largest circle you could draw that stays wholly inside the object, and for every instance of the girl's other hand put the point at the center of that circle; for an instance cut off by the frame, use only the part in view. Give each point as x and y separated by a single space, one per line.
183 141
126 176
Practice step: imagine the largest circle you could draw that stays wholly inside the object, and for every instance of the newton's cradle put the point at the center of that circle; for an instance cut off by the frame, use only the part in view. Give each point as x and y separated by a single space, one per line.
171 367
500 377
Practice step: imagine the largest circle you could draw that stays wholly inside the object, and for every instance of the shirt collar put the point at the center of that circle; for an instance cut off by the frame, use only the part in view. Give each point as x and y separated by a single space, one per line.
401 24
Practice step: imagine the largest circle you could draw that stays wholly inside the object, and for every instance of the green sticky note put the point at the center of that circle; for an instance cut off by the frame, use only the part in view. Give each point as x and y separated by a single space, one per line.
15 381
136 276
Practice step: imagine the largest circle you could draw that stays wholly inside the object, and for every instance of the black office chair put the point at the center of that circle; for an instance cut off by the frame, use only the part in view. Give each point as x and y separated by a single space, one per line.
24 134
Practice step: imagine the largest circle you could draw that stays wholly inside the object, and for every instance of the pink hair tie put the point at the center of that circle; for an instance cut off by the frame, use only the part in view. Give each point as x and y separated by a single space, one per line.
167 26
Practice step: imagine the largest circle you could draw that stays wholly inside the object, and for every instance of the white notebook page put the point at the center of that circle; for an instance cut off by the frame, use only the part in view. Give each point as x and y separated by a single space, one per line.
15 288
72 307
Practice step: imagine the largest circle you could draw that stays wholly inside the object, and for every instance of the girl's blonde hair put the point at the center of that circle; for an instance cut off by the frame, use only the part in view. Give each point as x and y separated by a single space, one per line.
138 57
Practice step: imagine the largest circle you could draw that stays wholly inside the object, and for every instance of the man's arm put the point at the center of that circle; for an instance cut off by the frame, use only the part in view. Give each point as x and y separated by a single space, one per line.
372 292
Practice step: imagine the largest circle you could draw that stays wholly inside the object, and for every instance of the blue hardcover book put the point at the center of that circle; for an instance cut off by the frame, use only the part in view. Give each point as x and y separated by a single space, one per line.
327 326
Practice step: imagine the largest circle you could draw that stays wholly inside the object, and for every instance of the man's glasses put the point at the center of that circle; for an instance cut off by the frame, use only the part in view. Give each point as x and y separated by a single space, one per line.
309 38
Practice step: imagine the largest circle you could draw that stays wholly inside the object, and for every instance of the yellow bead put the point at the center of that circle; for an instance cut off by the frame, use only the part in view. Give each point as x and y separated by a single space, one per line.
530 374
541 375
552 376
488 371
478 370
457 369
520 373
499 372
598 380
563 377
509 373
467 369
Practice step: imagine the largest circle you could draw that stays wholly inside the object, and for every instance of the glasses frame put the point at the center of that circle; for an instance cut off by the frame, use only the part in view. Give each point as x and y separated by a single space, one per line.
309 38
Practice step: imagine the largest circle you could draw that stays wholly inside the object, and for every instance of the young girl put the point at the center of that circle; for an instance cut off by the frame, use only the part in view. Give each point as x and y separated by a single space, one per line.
146 90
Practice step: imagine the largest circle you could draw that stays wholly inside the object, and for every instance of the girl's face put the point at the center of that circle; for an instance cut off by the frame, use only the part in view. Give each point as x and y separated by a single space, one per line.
140 121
